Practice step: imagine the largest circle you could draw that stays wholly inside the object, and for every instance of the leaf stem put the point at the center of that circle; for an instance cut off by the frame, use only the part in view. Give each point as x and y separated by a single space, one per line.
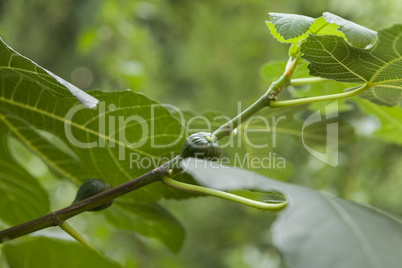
289 103
74 234
224 195
307 81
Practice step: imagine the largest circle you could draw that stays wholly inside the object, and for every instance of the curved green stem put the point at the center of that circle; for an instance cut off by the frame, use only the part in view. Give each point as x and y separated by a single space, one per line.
224 195
74 234
288 103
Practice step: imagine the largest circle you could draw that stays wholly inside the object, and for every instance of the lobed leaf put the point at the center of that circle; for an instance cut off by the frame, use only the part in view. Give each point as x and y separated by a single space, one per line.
332 57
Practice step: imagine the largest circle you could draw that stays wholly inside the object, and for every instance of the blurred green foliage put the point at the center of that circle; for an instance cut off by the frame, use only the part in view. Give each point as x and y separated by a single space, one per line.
187 53
198 55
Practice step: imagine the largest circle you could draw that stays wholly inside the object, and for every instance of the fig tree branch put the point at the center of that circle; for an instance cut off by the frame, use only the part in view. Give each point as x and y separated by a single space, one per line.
270 95
58 217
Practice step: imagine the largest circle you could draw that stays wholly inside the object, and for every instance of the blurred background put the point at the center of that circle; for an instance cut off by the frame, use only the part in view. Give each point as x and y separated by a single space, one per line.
194 54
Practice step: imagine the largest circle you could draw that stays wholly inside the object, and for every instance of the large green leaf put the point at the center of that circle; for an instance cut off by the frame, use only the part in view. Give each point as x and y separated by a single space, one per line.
316 229
46 252
125 136
334 58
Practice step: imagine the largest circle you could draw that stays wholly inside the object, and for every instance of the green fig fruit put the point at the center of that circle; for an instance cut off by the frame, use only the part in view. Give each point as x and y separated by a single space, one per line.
90 188
201 145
